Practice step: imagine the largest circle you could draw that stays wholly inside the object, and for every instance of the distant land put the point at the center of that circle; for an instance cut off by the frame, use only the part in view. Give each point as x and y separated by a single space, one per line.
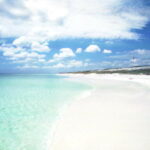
130 70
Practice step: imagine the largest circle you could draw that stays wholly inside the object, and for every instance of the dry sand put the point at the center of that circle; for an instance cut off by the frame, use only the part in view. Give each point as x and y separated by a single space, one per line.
115 115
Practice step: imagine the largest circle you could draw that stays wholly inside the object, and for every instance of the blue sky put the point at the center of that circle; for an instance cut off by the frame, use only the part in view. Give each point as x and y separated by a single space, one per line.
63 35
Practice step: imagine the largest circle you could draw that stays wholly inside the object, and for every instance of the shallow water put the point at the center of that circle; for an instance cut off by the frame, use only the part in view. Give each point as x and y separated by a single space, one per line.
29 104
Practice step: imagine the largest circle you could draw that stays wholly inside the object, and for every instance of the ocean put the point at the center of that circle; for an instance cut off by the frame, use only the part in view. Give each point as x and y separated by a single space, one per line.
29 105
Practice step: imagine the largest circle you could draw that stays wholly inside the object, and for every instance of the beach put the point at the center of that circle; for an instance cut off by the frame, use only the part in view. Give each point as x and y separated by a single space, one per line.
113 115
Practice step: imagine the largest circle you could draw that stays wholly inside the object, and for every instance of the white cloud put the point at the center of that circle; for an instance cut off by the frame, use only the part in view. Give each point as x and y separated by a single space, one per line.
140 51
10 51
51 61
27 55
49 19
64 52
35 55
107 51
20 54
131 57
69 64
78 50
41 60
35 44
133 60
59 65
92 48
22 41
74 63
27 66
39 47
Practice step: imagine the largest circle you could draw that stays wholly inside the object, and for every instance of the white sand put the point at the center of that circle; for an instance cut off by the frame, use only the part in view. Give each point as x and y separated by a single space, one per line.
114 116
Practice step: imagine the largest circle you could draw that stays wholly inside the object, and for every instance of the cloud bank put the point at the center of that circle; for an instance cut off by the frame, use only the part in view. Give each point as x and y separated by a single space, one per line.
55 19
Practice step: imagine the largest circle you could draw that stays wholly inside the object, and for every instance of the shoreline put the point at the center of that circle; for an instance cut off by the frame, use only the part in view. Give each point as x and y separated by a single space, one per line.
115 115
93 77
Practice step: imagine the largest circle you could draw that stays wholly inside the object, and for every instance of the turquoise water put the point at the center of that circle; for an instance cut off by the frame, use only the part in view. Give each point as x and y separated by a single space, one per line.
29 104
